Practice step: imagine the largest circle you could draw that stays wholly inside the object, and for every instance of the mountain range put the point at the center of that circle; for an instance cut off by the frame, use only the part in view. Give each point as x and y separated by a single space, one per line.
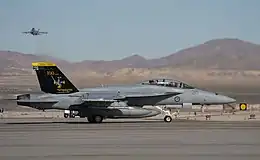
218 54
221 54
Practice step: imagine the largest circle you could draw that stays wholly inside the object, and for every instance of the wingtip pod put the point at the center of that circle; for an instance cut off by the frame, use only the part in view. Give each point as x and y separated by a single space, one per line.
43 64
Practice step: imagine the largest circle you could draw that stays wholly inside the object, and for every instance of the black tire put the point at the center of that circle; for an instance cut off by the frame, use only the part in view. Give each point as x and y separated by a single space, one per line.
167 119
90 119
95 119
98 119
66 115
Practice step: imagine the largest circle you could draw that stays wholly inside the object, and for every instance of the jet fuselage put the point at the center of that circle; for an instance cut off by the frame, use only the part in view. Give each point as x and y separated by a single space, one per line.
194 96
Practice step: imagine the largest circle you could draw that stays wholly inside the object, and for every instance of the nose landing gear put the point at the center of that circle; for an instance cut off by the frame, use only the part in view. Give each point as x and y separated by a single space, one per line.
167 114
167 118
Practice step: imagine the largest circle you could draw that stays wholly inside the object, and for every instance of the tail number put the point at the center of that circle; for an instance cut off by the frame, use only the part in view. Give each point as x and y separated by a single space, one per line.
50 73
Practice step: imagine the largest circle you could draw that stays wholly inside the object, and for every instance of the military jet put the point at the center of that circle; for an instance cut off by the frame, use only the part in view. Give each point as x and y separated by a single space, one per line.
35 32
120 101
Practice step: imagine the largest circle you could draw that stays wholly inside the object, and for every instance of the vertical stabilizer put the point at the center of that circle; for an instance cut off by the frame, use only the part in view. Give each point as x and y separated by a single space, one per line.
52 80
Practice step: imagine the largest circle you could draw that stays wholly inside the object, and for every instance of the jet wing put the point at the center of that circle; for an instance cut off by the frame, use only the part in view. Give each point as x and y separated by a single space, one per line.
128 100
98 102
91 103
133 100
79 102
147 95
146 99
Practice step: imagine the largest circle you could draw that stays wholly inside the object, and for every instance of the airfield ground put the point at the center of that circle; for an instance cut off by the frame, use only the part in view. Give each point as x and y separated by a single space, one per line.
30 134
46 135
38 138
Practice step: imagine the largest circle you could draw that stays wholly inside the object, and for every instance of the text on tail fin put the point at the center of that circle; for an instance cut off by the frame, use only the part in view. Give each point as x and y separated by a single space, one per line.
51 79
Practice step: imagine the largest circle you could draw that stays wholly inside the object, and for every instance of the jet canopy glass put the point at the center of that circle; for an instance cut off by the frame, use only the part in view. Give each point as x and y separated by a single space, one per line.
167 83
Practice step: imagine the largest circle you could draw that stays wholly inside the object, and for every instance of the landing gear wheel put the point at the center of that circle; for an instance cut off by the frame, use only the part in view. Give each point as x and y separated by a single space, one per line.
167 119
98 119
90 119
95 119
66 115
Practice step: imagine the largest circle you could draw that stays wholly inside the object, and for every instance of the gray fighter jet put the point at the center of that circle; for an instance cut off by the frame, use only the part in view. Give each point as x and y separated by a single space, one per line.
122 101
35 32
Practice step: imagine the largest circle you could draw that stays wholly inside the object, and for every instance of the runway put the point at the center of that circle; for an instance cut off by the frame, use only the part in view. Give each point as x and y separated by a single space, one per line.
134 139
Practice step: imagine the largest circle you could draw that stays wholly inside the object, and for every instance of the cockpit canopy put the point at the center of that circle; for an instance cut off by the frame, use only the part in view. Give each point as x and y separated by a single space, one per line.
167 83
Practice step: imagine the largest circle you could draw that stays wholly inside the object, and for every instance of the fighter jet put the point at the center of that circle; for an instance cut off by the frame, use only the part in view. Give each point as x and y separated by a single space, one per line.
35 32
121 101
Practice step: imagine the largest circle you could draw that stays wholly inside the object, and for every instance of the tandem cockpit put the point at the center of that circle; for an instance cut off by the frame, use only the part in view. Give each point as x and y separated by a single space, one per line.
167 83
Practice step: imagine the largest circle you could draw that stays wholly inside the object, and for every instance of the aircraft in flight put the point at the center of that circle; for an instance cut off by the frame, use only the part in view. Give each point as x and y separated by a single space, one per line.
121 101
35 32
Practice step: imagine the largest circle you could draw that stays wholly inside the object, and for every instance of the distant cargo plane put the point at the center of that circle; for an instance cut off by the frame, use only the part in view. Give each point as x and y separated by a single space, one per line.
35 32
123 101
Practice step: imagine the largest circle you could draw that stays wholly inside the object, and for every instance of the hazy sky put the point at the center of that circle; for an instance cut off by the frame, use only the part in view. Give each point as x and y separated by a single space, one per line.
114 29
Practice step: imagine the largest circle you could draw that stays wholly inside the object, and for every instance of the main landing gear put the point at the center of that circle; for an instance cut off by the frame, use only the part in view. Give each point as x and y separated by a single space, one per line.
95 119
69 114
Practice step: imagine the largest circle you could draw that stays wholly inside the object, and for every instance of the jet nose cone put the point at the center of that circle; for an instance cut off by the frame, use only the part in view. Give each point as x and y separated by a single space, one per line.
215 98
232 100
227 99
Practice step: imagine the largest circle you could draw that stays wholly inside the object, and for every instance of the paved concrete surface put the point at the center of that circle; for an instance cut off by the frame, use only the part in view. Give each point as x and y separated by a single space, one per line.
49 139
215 116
